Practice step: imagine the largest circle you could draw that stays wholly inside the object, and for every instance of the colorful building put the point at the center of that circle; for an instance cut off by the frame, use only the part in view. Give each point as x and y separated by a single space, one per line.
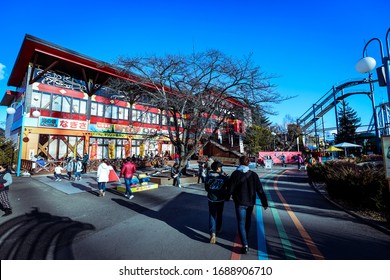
62 109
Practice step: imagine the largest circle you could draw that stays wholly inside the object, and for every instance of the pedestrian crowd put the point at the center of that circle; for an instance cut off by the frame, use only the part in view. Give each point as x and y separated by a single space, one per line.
105 173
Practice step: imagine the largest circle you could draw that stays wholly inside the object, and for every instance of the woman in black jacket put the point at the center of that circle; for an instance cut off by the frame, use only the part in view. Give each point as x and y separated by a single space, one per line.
243 186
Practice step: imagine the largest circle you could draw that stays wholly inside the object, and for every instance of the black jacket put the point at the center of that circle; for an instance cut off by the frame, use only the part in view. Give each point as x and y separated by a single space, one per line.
244 186
215 186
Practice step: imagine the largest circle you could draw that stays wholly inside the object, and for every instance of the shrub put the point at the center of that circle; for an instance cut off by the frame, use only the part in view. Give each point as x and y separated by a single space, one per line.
363 186
316 173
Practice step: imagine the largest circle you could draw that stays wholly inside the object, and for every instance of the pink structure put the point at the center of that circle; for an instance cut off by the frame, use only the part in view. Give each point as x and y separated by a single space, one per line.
276 156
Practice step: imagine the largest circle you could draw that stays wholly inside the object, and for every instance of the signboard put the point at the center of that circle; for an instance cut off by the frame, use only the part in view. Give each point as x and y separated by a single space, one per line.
119 128
268 163
109 135
62 123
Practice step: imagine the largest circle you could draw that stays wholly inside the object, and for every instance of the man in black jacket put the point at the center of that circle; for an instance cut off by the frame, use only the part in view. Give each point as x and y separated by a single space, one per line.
243 186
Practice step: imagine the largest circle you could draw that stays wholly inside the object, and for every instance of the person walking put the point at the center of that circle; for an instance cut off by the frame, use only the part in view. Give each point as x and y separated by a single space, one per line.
175 174
70 169
300 161
5 182
57 172
243 185
78 168
127 172
216 188
176 158
201 172
283 158
85 162
102 176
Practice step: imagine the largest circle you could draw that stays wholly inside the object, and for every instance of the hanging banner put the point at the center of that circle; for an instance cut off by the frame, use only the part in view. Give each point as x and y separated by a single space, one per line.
127 148
111 149
94 147
142 150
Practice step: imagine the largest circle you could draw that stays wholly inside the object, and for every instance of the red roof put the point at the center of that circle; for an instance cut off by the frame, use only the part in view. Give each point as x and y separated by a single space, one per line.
45 53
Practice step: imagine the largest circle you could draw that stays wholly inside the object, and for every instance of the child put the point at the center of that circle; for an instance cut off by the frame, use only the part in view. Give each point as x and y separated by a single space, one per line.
5 182
70 169
78 168
57 172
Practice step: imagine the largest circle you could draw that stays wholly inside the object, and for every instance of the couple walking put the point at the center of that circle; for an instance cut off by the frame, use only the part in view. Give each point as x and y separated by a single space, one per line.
103 175
243 185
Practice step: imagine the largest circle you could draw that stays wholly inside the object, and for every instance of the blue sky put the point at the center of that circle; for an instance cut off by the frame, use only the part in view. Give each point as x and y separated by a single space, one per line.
309 45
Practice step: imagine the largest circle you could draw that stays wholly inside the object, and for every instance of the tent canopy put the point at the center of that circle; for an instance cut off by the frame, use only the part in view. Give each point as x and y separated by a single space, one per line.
346 145
333 149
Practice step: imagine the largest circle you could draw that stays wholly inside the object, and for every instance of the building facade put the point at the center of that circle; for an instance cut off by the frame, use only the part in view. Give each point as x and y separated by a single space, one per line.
63 110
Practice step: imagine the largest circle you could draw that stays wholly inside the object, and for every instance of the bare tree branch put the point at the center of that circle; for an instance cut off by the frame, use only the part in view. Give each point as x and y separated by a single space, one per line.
197 93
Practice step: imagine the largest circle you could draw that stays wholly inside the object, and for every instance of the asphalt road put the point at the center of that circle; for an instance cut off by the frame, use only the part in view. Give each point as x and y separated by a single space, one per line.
172 224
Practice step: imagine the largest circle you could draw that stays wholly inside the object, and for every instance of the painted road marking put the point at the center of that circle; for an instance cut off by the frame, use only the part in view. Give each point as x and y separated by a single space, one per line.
261 241
286 244
305 235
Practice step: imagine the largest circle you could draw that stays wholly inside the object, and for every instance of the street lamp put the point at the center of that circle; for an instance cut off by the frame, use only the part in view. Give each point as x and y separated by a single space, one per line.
274 134
11 111
367 64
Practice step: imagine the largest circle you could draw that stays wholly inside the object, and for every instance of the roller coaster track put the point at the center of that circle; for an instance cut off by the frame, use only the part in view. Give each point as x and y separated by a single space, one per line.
327 102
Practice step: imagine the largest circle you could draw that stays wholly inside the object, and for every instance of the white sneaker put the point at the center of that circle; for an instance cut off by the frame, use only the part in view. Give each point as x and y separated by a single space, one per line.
131 196
56 180
179 186
59 180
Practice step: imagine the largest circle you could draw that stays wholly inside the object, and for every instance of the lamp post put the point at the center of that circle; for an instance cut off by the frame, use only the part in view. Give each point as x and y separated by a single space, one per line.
367 64
11 111
274 134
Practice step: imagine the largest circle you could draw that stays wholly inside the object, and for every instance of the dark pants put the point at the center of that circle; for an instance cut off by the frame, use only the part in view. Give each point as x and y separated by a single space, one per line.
84 167
215 216
244 219
201 179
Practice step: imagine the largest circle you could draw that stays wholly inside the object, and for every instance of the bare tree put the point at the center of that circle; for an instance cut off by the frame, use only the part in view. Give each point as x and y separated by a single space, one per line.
198 92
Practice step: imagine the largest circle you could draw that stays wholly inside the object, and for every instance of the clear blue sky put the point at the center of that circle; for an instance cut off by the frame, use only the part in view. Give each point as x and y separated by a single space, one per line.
310 45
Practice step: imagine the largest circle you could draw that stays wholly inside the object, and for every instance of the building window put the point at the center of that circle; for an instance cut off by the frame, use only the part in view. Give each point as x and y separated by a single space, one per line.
108 111
67 101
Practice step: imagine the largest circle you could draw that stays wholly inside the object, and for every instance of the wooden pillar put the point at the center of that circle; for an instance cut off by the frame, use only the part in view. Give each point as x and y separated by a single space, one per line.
87 135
